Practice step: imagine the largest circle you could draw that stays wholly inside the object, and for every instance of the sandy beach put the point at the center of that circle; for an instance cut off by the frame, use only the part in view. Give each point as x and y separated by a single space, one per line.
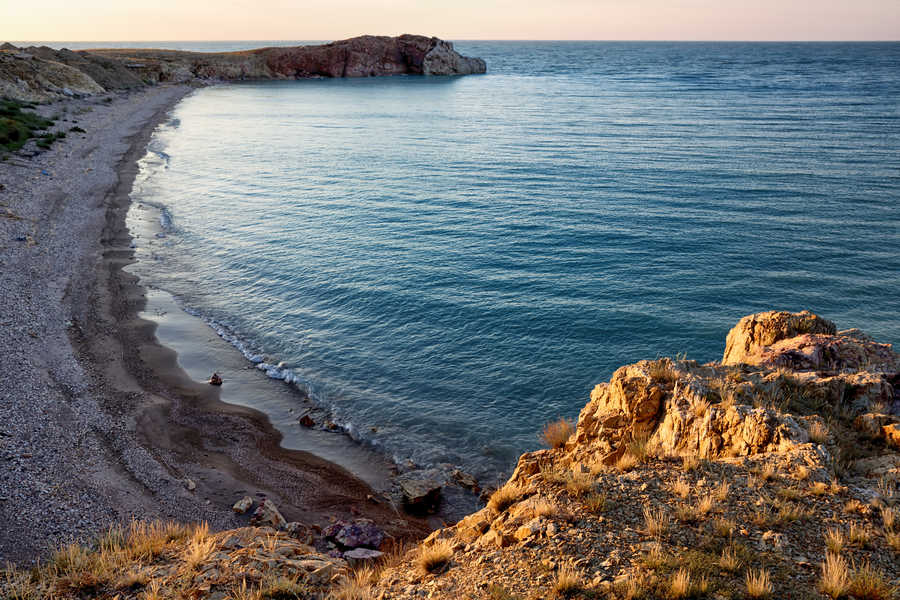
98 422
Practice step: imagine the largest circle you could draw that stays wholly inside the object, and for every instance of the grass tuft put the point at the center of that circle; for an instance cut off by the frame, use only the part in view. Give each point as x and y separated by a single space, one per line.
557 433
505 497
435 558
567 581
656 521
835 581
759 584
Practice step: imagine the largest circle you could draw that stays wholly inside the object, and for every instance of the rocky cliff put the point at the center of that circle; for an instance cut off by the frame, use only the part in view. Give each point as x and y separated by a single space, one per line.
41 73
774 473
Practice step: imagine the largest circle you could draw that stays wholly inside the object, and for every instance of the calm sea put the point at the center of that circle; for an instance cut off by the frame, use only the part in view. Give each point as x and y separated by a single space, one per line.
455 261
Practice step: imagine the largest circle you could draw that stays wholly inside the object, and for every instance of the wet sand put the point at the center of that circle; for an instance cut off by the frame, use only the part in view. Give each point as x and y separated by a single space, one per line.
101 423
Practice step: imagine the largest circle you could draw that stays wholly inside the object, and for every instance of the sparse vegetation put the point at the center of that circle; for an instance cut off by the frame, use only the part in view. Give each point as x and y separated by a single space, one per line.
729 560
818 488
557 433
505 497
835 581
656 521
18 126
434 558
835 540
567 581
859 535
818 432
759 583
681 488
869 584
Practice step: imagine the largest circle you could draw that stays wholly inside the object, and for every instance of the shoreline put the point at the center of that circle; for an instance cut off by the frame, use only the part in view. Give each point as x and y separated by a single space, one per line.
161 445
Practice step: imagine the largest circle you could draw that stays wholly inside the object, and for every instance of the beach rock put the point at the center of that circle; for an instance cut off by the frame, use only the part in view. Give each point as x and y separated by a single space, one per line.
754 332
359 556
267 514
420 493
361 533
306 421
243 505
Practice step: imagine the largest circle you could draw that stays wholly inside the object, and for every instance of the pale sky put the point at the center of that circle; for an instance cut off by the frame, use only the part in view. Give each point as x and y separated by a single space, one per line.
150 20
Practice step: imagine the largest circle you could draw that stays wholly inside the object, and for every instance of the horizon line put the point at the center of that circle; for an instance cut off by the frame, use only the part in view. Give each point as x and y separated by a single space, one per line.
451 39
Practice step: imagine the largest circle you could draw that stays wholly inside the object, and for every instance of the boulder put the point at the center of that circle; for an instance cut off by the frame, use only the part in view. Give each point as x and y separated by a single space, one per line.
267 514
421 493
361 533
755 332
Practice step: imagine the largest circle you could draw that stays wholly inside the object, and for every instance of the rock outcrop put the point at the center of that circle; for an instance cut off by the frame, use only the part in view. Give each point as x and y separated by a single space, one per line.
42 73
676 468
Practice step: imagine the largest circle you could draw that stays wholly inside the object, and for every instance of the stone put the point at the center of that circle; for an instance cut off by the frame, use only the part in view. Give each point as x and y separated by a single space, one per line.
267 514
359 556
189 484
357 534
421 494
306 421
243 505
754 332
299 531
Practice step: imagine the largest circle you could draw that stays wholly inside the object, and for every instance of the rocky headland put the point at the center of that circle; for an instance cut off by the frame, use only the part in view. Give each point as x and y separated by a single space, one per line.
40 74
772 473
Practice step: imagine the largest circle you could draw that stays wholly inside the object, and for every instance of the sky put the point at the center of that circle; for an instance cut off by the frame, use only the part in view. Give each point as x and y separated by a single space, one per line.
140 20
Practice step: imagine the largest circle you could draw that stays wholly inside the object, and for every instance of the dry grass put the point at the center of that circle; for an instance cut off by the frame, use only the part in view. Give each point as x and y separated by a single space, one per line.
680 584
721 491
681 488
729 560
434 558
854 507
596 503
567 581
706 505
759 583
789 493
639 448
869 584
656 522
835 581
700 408
766 472
724 527
199 549
802 472
626 462
818 488
835 540
662 370
579 484
859 535
892 538
545 508
505 497
554 474
690 462
818 432
889 518
634 587
557 433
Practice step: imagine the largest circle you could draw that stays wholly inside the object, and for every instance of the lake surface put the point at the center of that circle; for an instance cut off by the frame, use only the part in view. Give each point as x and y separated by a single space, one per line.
455 261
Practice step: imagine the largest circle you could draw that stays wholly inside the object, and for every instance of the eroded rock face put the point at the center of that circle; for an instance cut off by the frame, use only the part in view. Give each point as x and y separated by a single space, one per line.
41 73
754 332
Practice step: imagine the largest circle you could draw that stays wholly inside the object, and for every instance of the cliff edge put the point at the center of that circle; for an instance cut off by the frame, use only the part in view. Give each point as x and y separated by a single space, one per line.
38 74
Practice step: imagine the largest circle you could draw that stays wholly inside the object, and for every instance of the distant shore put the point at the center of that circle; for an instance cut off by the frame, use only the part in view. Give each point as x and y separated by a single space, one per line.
99 423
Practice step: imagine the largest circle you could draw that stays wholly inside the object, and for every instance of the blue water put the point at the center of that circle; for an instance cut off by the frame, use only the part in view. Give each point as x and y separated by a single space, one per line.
455 261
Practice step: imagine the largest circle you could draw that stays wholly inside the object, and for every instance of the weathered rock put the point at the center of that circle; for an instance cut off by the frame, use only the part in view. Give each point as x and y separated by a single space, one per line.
359 556
243 505
891 435
420 493
357 534
755 332
299 531
267 514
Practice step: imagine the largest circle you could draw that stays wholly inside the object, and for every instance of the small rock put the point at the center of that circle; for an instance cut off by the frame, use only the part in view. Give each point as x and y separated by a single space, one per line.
306 421
243 505
189 484
267 514
361 555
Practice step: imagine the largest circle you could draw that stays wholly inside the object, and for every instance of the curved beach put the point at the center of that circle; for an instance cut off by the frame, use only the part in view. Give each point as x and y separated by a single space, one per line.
100 424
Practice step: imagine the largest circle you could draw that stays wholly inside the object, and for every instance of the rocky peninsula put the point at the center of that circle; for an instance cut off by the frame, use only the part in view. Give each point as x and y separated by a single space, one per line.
39 74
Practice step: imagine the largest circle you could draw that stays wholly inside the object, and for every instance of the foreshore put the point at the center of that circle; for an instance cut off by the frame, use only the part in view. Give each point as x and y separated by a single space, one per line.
98 423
